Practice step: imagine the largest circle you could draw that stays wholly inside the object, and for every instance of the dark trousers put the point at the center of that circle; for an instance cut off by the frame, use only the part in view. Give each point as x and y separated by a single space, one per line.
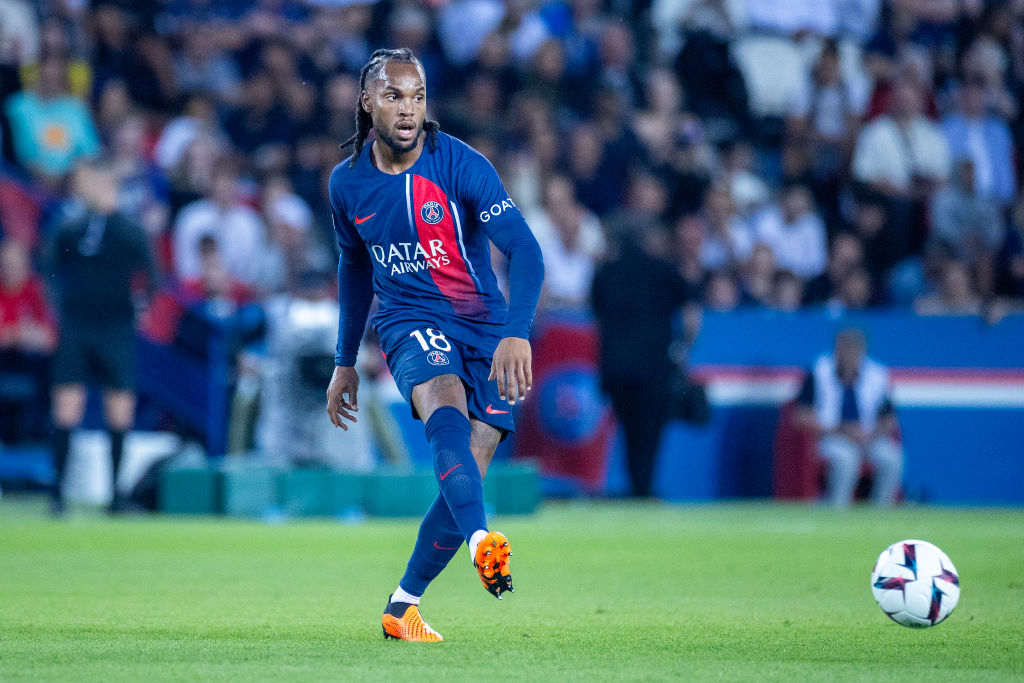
24 396
642 410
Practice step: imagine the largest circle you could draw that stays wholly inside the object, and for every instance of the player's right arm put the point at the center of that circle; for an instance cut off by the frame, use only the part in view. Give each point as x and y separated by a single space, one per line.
355 294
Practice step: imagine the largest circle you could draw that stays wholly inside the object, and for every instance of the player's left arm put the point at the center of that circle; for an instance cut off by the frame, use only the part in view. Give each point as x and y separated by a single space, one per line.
501 220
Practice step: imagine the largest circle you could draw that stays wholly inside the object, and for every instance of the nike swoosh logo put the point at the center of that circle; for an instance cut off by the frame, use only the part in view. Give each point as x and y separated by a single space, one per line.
360 221
492 411
441 547
453 467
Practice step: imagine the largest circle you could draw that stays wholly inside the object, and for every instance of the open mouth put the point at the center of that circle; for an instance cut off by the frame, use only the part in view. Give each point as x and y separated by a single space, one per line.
405 130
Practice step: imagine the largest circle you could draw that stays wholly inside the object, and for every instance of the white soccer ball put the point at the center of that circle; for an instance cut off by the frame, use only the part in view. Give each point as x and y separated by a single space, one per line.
915 584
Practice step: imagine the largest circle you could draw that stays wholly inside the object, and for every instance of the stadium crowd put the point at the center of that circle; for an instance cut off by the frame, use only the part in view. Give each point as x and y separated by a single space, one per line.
780 153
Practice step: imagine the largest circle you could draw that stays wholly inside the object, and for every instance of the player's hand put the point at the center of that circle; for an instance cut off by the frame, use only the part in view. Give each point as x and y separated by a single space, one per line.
512 367
344 383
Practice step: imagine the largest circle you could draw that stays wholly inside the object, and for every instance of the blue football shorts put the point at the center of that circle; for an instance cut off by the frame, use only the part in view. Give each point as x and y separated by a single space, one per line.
425 352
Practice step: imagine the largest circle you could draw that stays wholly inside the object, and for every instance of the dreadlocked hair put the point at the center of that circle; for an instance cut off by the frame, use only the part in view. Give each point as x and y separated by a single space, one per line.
372 70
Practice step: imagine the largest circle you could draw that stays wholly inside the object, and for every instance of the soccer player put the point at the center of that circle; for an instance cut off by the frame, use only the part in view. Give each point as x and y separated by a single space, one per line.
414 213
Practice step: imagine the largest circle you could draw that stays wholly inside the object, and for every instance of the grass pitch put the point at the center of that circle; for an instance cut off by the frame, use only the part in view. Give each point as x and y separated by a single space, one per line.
603 591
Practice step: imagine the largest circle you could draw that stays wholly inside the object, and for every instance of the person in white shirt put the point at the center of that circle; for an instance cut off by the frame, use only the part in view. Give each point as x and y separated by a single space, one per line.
238 230
571 241
902 154
845 397
795 233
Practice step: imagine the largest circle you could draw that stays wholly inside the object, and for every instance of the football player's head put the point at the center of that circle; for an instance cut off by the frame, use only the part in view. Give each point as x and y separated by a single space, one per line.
393 102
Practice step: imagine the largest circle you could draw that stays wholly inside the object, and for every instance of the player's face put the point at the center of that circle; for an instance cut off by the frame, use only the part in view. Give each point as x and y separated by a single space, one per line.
397 103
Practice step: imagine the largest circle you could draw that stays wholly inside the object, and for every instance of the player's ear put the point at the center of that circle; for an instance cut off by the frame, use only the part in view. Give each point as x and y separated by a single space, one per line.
364 101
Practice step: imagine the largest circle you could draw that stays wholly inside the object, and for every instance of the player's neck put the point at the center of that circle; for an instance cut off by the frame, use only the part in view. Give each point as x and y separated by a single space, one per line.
388 161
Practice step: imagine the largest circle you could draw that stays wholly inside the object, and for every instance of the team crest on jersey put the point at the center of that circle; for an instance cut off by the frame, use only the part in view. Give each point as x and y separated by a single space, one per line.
437 358
432 213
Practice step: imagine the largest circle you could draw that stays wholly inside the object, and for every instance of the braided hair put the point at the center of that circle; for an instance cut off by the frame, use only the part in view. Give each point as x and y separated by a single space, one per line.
371 71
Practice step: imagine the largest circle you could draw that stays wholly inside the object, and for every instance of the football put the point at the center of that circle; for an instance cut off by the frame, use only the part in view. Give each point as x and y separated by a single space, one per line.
915 584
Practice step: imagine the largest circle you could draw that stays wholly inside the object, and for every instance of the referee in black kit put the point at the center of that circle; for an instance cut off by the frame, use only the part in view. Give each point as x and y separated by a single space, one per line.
95 258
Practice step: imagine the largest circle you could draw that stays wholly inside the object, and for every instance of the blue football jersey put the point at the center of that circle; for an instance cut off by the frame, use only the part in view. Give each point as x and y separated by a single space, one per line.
426 233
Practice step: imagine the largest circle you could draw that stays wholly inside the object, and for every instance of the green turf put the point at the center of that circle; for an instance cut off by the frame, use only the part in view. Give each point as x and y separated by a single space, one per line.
603 591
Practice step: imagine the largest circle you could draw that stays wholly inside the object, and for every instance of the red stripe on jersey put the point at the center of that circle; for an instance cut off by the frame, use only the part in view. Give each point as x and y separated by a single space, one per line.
438 235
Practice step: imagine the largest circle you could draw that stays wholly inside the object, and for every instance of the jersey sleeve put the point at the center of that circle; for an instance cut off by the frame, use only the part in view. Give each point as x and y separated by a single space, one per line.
480 190
355 279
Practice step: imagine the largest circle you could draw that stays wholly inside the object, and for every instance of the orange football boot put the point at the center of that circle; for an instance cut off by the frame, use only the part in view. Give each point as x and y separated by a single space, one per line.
491 563
402 621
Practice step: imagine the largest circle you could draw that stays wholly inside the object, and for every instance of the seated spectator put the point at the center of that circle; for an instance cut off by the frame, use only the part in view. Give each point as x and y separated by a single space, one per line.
237 229
688 245
722 292
729 242
845 396
1010 260
902 153
292 247
571 240
846 253
656 125
143 192
794 232
903 157
974 133
51 129
853 293
758 276
956 294
824 118
967 224
28 335
748 191
787 292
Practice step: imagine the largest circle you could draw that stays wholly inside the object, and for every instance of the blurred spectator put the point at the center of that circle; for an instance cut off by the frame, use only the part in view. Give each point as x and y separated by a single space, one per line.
51 129
853 293
714 85
956 294
729 241
1010 260
967 224
143 189
974 133
237 229
94 258
758 276
203 66
903 157
794 232
748 190
902 153
845 396
198 119
634 356
722 292
28 334
690 232
600 184
787 292
571 240
825 116
19 32
656 125
846 254
292 248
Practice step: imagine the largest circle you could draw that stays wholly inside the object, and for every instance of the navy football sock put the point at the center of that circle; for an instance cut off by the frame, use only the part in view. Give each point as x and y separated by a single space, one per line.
438 541
458 476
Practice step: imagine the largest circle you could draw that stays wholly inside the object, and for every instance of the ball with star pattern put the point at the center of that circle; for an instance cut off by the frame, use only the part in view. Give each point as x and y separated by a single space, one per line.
915 584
